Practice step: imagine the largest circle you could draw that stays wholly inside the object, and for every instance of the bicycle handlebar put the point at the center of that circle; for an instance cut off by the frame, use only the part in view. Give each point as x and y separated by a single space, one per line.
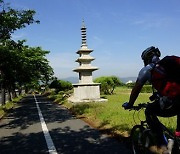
139 106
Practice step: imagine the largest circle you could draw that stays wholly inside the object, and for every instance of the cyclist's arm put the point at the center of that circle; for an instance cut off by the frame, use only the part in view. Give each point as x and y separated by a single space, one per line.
144 75
135 92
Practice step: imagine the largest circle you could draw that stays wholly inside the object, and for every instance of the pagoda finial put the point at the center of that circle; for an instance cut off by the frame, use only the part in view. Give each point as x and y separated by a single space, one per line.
83 24
83 35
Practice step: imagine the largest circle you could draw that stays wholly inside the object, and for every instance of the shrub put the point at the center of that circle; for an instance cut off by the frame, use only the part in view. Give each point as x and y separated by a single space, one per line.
130 85
60 85
108 84
147 89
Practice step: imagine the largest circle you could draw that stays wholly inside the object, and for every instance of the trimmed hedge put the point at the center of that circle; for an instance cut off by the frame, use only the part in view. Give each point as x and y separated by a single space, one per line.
147 89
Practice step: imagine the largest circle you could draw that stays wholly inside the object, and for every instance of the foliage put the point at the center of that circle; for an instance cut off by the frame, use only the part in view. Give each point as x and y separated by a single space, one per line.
110 115
62 96
108 84
130 85
60 85
26 65
12 20
147 89
20 65
9 105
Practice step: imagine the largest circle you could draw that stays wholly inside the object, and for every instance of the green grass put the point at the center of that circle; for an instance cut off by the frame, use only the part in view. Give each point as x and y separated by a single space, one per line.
111 115
8 106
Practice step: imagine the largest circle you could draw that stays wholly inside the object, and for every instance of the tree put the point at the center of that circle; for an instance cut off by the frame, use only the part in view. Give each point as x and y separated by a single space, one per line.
26 66
12 20
108 84
35 68
60 85
20 65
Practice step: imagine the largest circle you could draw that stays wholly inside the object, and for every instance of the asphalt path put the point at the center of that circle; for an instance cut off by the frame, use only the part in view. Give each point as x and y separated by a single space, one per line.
37 125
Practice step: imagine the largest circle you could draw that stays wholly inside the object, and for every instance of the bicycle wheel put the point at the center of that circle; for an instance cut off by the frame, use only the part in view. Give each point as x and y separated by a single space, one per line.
136 134
175 148
148 141
142 140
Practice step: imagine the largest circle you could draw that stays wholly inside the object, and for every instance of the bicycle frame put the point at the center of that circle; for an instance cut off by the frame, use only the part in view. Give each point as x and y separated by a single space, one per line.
175 148
144 128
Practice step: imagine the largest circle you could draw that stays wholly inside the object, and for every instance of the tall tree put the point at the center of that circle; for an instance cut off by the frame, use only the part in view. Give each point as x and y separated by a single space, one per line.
23 65
19 64
35 66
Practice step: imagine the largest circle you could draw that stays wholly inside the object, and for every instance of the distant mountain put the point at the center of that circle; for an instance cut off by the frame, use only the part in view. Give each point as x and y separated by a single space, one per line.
71 79
76 80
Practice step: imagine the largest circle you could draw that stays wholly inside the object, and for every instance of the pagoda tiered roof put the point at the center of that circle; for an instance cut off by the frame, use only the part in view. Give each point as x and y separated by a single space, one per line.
85 58
84 50
85 69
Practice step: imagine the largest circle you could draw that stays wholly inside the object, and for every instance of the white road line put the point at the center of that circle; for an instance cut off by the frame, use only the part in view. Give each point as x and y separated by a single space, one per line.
49 142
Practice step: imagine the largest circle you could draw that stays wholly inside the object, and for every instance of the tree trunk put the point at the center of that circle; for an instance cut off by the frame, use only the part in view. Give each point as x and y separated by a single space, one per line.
14 94
3 96
9 95
20 91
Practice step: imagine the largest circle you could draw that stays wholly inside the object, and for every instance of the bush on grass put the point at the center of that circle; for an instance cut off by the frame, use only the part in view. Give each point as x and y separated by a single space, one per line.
60 85
108 84
147 89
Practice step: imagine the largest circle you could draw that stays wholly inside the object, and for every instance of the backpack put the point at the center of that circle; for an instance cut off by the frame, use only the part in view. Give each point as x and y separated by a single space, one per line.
166 76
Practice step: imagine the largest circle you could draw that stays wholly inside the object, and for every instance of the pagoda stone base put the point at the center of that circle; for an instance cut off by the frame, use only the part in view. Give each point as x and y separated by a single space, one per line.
86 93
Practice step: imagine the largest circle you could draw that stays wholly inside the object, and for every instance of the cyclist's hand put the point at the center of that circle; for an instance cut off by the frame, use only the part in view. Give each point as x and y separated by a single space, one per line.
127 105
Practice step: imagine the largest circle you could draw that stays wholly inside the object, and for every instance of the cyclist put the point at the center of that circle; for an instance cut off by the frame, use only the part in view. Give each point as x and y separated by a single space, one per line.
163 106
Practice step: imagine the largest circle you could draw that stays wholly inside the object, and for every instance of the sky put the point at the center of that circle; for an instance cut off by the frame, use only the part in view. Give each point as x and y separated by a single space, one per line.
117 30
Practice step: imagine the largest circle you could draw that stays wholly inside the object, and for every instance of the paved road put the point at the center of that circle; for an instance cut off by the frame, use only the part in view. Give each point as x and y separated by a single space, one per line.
38 126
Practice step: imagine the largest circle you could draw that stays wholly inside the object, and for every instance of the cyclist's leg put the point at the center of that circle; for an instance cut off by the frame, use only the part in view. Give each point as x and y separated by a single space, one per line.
177 106
152 111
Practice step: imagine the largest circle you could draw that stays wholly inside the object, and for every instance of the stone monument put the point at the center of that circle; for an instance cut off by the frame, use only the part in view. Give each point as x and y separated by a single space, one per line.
86 90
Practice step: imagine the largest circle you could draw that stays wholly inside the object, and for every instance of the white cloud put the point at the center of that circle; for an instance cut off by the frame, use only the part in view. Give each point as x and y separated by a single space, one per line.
66 60
139 22
152 21
63 63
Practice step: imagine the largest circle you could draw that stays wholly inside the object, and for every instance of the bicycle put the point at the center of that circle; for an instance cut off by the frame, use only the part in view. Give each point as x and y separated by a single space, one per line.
143 140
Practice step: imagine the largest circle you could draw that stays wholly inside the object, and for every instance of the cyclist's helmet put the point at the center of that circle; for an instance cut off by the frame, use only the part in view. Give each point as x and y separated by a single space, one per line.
149 53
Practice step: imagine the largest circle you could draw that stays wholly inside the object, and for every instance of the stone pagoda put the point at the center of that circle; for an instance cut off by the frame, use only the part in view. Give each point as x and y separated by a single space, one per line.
86 90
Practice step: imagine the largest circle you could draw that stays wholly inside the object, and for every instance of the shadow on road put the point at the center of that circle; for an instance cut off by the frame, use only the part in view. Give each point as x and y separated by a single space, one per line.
20 131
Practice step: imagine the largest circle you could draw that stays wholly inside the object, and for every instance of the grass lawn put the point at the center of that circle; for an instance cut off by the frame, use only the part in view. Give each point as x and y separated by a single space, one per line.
111 116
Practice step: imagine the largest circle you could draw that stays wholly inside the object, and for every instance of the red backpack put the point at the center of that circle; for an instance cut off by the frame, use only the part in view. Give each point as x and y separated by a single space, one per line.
166 76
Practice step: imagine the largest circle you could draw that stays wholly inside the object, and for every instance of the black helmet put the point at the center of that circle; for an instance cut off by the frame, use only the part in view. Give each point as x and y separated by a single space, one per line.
148 54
